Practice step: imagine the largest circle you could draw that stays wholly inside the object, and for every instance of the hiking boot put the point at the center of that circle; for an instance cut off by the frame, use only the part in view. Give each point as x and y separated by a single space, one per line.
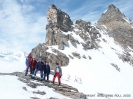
51 83
33 76
41 79
59 86
47 80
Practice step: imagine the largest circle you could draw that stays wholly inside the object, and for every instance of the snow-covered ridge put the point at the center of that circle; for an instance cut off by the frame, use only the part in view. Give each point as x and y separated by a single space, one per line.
13 56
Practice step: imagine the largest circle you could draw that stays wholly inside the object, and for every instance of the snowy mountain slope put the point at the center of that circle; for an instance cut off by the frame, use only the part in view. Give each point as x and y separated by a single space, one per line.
98 75
13 56
14 89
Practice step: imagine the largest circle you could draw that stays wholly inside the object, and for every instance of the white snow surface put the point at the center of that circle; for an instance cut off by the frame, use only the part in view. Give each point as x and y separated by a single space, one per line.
98 75
12 88
89 76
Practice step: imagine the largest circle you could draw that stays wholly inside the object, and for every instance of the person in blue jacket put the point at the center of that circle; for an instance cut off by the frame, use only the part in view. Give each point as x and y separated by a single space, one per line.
27 66
46 71
39 67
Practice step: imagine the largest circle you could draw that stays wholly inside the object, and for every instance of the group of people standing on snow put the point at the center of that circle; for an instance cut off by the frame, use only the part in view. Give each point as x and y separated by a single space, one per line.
44 69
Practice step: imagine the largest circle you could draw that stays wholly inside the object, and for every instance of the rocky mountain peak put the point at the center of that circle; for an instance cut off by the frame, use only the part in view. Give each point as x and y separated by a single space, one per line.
58 19
112 8
117 25
112 14
58 22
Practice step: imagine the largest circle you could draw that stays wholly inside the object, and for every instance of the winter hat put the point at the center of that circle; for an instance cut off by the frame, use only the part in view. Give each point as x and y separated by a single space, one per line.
40 58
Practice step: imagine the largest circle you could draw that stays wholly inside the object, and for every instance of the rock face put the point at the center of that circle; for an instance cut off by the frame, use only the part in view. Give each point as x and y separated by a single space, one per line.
41 51
88 33
76 55
57 21
118 26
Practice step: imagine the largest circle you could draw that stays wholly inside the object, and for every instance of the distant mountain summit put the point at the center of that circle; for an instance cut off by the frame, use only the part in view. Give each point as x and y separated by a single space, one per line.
117 25
110 15
13 56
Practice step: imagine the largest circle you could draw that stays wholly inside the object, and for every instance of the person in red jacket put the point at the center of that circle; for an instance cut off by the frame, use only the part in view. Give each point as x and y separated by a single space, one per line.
33 65
29 64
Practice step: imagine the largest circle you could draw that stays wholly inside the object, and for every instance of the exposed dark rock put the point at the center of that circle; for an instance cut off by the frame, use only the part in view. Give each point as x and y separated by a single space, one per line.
75 54
84 56
126 57
81 24
61 46
65 42
114 65
34 98
71 57
61 58
89 57
39 92
32 85
25 88
53 98
74 44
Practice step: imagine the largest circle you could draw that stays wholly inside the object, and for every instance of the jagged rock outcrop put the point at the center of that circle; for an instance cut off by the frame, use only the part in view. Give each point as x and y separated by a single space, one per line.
114 65
89 57
88 33
70 56
58 21
77 55
84 56
41 51
83 25
126 57
117 26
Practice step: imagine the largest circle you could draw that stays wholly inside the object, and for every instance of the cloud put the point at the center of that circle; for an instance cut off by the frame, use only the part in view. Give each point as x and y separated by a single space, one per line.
87 11
20 28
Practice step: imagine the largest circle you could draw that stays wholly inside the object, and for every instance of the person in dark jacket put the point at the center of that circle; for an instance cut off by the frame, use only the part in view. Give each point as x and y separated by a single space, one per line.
39 67
46 71
57 73
33 65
